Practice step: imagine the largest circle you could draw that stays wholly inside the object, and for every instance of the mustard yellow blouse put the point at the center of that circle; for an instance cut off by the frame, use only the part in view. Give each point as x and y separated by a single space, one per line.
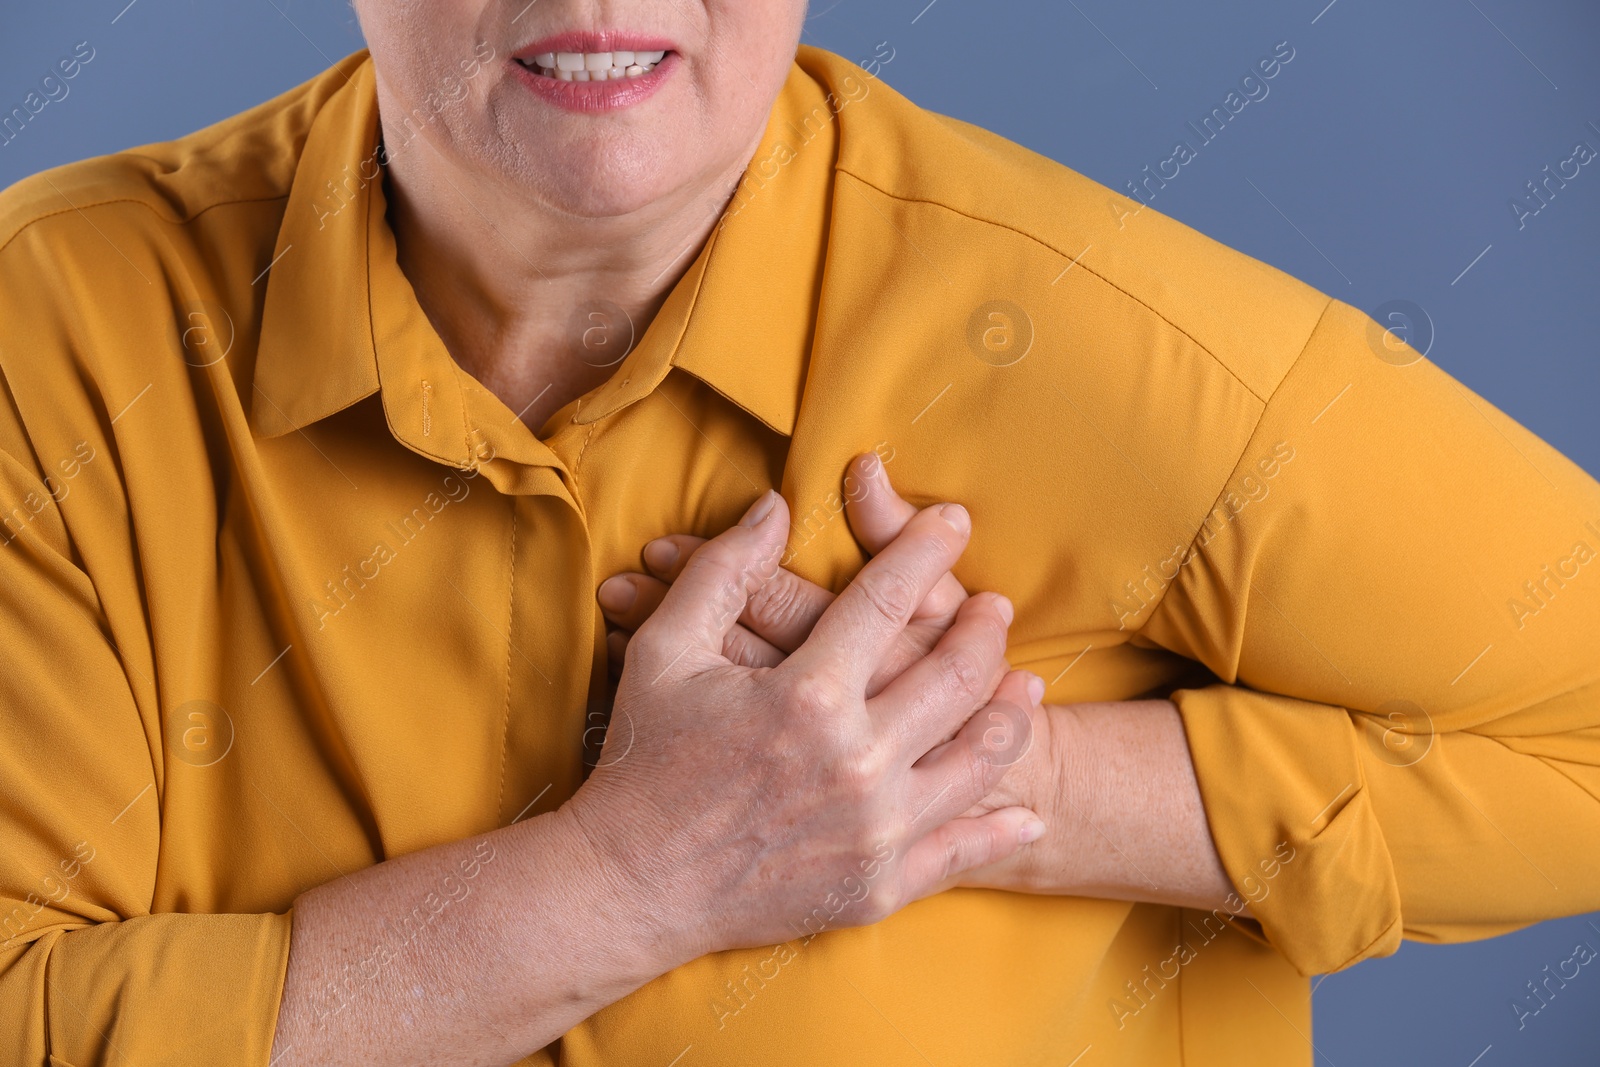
284 592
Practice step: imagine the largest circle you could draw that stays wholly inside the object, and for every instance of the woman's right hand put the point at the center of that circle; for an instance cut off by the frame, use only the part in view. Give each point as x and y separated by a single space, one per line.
741 806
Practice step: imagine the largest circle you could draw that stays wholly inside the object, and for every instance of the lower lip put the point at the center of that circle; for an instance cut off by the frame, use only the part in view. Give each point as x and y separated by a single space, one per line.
597 96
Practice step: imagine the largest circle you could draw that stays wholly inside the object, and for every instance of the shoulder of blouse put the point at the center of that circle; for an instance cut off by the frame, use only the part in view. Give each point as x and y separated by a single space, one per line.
249 156
95 249
1250 316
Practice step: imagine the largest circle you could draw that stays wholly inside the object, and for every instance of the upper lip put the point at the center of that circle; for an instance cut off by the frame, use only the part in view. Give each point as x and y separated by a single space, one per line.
592 41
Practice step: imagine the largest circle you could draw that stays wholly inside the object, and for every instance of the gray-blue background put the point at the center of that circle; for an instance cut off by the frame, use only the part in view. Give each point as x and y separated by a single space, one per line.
1379 167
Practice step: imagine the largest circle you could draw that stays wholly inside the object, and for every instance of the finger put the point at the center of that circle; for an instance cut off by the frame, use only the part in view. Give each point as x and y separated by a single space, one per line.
780 614
1003 729
665 557
877 514
626 600
749 650
860 628
704 604
964 844
957 774
742 648
934 696
616 653
786 609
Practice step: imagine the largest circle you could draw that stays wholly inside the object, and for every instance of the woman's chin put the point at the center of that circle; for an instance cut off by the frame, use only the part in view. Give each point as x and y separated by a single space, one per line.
606 190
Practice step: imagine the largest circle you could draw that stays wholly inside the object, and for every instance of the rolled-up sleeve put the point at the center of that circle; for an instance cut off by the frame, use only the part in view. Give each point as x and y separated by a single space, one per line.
1399 588
87 975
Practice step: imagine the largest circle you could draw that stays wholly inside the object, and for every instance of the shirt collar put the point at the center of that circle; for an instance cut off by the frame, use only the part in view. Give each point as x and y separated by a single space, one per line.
341 321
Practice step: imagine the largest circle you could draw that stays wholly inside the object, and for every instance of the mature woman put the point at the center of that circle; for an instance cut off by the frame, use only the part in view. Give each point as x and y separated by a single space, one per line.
322 427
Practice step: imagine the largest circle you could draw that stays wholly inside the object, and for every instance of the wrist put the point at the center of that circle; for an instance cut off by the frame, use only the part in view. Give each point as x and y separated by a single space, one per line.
1054 792
638 887
607 917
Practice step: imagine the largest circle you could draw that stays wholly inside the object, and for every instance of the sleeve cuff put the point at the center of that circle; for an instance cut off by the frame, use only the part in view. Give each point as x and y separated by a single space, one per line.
1293 823
214 982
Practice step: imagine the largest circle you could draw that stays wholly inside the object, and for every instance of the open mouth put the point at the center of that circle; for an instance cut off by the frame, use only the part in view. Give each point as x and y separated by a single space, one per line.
593 66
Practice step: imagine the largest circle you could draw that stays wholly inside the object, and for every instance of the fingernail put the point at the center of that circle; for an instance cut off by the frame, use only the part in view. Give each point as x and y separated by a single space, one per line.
1035 688
660 554
1031 831
616 594
1003 606
957 517
760 509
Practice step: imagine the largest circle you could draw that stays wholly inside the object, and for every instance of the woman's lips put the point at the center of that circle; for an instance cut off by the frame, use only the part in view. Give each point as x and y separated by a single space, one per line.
593 66
609 95
595 71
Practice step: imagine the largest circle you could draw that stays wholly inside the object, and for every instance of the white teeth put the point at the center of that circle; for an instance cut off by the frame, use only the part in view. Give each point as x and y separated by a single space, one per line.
594 66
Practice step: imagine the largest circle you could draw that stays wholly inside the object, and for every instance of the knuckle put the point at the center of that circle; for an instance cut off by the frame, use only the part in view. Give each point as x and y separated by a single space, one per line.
955 851
873 836
976 771
893 594
859 769
812 695
775 606
715 555
738 648
646 640
965 668
880 902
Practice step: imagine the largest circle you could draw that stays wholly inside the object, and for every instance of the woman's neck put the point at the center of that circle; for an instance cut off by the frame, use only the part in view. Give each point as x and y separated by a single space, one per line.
538 305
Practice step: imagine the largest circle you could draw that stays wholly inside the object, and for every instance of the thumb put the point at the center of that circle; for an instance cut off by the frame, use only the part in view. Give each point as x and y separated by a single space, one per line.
876 512
703 605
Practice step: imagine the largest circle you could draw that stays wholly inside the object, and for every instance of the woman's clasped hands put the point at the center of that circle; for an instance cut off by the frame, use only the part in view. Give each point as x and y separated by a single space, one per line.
749 773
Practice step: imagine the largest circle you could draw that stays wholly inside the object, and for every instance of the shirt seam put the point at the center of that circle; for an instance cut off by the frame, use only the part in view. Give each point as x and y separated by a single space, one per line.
577 461
505 719
1065 255
1244 449
184 221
